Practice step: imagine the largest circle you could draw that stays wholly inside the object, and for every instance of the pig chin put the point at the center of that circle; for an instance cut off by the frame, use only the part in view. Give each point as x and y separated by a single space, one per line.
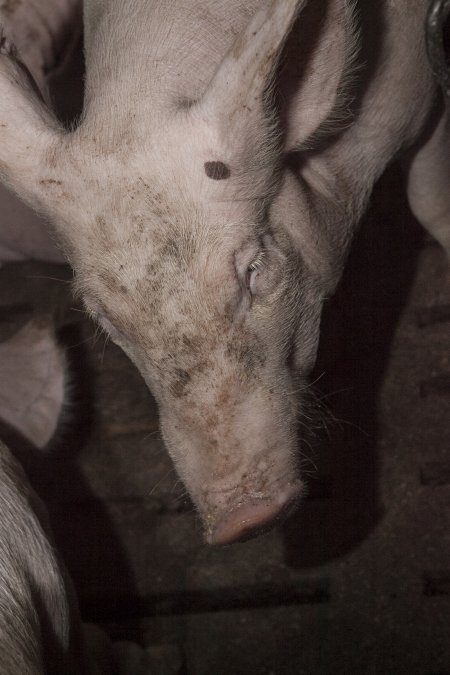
238 495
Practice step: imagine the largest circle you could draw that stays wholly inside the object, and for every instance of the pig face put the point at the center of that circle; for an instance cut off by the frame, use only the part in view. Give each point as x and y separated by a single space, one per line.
210 298
196 247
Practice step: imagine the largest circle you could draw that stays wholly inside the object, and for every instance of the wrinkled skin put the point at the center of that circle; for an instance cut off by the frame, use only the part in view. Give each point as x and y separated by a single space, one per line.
207 221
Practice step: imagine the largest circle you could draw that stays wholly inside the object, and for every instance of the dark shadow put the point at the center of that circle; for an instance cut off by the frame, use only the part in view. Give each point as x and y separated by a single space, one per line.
66 85
357 331
83 530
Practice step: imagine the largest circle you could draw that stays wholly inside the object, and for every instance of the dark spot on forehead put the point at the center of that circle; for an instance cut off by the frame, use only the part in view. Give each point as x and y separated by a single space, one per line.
217 170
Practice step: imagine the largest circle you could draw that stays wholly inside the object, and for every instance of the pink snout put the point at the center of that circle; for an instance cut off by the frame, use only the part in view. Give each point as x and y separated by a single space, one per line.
254 517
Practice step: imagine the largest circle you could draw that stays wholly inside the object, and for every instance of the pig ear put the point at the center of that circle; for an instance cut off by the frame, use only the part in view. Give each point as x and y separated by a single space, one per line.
235 99
29 133
321 45
316 86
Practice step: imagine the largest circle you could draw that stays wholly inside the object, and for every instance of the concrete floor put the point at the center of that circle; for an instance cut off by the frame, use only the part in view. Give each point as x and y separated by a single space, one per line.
358 581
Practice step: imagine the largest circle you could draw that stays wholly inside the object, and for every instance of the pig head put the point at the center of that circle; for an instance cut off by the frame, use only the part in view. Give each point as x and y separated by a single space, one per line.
193 242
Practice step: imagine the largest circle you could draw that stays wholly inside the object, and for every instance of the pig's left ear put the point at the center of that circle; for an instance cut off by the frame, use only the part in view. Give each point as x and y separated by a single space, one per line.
30 135
319 41
235 103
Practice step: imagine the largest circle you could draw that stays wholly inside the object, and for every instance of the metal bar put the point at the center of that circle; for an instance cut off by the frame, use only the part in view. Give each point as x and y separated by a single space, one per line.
438 16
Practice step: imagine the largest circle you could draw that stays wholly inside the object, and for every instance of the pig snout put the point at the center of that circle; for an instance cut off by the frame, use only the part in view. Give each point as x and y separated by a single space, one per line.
237 458
254 517
239 491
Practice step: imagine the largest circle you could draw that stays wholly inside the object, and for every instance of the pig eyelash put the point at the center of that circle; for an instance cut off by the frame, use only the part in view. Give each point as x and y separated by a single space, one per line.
258 262
255 266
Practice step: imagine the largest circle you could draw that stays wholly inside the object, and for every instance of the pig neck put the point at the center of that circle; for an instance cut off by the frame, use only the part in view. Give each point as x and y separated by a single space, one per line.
40 31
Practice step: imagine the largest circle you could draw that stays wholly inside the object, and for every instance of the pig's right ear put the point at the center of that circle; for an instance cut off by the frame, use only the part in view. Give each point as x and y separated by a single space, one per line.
30 135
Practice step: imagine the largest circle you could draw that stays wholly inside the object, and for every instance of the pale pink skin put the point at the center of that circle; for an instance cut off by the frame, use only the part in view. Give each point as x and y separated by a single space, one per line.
32 382
214 287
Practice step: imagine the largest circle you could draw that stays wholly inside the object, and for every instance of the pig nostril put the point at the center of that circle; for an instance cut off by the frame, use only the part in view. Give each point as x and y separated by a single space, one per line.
253 518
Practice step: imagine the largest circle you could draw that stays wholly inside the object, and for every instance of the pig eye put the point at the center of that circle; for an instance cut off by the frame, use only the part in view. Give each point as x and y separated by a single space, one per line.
253 271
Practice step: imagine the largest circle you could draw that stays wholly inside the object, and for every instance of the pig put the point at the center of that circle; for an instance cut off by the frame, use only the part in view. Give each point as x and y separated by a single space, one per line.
40 631
40 627
207 200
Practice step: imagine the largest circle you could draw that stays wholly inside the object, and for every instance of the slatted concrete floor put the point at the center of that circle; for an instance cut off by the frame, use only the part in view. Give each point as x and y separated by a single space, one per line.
358 581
